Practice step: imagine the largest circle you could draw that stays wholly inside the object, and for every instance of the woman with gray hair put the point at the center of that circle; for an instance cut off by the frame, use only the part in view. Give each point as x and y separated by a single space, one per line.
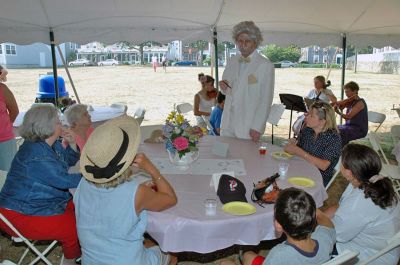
248 84
35 195
80 124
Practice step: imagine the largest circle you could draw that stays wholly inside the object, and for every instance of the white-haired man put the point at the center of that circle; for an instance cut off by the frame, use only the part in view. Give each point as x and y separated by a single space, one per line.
248 84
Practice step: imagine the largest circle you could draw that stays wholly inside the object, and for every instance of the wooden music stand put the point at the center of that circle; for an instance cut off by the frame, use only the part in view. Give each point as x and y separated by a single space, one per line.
293 103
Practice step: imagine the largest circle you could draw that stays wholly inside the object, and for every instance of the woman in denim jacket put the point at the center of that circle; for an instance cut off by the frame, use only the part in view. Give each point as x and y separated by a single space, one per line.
35 196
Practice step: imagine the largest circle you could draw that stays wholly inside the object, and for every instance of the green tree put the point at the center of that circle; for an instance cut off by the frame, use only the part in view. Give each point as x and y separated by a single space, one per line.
131 45
276 54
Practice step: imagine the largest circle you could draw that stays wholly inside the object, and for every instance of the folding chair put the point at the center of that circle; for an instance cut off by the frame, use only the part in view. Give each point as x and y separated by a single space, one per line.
391 171
393 243
344 257
337 171
210 128
274 116
20 238
395 132
376 117
184 108
147 131
139 114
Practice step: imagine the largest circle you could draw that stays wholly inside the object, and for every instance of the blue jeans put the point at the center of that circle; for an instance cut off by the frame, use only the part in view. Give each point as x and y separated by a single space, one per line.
8 149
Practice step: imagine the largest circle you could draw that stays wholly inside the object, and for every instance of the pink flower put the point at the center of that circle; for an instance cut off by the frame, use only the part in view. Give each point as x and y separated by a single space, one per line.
181 143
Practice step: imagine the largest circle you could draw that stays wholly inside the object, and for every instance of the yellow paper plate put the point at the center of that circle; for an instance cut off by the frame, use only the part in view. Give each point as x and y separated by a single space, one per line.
281 155
239 208
302 181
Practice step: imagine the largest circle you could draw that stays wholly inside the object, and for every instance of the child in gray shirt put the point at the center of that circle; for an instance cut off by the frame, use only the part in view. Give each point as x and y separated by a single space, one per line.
310 234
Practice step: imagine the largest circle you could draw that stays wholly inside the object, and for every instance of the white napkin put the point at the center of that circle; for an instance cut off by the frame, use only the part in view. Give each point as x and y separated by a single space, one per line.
216 176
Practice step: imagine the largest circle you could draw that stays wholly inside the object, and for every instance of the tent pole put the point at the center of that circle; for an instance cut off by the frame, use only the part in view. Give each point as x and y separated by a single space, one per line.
54 60
216 55
343 69
69 75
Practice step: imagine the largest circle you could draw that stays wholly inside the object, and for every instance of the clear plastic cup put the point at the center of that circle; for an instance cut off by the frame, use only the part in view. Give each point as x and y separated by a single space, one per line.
210 207
283 168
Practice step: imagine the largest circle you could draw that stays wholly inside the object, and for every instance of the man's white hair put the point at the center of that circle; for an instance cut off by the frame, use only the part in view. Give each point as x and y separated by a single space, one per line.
250 29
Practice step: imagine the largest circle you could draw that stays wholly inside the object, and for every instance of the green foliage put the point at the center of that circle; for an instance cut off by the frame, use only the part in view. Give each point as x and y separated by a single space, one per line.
318 65
276 54
71 56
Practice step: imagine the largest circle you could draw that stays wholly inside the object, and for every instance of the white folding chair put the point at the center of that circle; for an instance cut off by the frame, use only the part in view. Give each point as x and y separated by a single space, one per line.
184 108
274 116
146 131
344 257
395 132
19 140
337 171
139 114
210 128
376 117
20 238
393 243
391 171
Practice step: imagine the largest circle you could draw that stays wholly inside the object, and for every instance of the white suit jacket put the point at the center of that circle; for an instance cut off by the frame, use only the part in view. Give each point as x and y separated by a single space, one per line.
248 101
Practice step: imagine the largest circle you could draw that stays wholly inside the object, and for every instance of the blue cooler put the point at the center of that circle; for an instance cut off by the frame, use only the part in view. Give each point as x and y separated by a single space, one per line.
46 89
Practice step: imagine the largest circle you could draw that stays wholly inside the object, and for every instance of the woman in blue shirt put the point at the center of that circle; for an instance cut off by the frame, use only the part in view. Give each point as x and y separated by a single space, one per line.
35 196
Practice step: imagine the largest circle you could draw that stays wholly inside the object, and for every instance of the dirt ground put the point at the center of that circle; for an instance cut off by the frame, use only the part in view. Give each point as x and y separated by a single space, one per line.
157 92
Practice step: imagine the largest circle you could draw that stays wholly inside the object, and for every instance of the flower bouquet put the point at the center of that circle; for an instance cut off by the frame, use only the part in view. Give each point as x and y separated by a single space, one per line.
181 137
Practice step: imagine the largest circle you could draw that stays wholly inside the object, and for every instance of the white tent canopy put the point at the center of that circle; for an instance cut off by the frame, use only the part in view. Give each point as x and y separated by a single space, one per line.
283 22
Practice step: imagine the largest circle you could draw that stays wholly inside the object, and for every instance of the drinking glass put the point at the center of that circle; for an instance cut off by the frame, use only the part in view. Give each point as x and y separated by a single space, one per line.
210 207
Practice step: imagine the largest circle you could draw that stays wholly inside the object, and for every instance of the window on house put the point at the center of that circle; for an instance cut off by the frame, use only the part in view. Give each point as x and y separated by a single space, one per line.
1 49
11 49
316 59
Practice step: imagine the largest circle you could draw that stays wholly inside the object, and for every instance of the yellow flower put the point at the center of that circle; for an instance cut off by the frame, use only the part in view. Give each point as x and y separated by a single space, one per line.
180 119
204 130
171 116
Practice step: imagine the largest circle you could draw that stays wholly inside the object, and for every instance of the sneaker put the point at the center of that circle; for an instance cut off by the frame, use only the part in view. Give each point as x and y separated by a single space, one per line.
78 260
164 259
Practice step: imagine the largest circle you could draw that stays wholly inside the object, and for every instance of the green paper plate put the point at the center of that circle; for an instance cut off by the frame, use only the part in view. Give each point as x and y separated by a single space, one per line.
281 155
239 208
302 181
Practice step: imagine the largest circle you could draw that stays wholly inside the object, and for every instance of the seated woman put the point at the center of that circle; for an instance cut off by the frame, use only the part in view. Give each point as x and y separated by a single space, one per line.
368 214
319 92
204 100
319 143
356 116
35 196
110 203
80 124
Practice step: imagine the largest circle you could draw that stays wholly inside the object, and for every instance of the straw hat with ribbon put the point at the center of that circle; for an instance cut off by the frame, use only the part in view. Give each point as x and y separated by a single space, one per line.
110 149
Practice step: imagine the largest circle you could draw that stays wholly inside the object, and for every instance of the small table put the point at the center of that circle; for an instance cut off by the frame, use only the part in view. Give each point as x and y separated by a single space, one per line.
185 227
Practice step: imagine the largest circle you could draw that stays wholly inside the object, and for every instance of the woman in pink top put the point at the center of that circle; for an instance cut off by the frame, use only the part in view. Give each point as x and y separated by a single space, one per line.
8 113
80 125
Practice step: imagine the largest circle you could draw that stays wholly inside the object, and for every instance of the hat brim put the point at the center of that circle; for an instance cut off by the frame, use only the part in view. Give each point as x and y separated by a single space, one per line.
233 198
96 141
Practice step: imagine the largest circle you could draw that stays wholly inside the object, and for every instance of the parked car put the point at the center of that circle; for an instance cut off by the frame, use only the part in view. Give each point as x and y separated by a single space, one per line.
80 62
112 62
184 63
286 64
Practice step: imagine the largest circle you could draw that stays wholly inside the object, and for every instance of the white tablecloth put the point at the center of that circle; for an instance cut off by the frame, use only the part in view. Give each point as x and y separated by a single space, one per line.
98 115
185 227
